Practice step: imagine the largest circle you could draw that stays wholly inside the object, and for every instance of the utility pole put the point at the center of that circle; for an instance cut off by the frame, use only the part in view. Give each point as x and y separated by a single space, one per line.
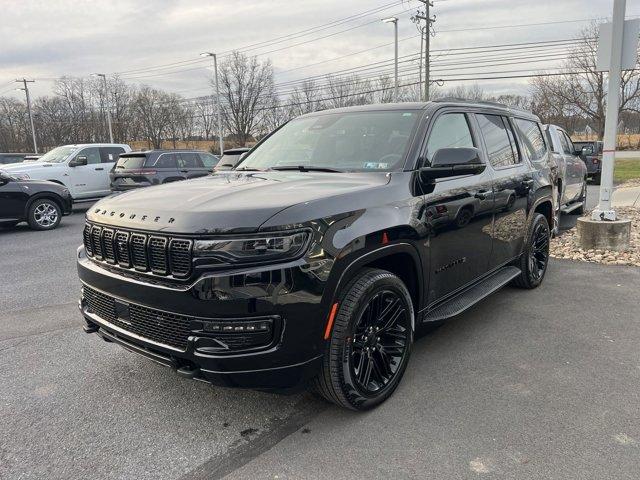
394 20
106 103
219 116
427 36
24 81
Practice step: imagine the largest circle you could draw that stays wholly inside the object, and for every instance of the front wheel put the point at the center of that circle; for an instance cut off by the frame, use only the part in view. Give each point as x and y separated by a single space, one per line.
370 342
535 258
44 214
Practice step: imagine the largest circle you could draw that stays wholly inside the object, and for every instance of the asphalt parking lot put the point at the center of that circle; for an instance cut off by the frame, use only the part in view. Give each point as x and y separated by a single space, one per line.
538 384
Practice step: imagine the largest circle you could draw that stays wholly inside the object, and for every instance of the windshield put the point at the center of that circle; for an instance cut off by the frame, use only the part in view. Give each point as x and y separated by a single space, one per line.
356 141
131 162
57 155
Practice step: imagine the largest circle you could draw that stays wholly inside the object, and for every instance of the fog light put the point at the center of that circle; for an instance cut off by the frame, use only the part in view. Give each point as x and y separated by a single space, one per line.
260 326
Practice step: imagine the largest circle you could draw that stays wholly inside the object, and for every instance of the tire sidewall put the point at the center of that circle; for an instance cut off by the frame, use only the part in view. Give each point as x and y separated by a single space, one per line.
32 221
537 220
356 397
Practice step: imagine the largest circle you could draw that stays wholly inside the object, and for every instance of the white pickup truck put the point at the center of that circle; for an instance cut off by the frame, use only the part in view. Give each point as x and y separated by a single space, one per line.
83 168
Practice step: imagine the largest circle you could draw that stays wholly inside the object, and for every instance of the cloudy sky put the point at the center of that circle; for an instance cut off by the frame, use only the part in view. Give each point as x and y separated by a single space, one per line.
158 42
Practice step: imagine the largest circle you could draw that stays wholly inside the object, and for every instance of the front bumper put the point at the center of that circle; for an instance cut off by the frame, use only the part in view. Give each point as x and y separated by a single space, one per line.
287 295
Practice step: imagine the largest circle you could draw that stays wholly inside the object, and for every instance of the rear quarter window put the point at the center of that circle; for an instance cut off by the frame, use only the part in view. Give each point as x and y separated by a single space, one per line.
531 138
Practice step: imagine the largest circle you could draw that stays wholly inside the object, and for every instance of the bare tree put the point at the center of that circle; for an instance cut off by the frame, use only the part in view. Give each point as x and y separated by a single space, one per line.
154 109
246 89
582 90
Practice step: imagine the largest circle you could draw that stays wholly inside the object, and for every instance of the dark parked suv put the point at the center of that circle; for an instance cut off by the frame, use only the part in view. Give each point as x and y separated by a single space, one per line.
318 258
591 155
154 167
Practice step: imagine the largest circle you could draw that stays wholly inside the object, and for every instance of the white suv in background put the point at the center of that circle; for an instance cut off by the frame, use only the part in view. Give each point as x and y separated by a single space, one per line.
83 169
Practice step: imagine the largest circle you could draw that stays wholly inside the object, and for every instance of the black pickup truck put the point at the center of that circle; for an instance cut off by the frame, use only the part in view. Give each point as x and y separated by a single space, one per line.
318 258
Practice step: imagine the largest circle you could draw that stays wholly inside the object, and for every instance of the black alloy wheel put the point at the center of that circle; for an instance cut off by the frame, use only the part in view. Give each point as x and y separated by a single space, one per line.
380 341
370 343
535 258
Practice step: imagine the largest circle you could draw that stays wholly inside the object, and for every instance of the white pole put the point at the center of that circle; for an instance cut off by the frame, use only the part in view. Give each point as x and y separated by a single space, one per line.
106 101
395 85
215 72
604 210
33 130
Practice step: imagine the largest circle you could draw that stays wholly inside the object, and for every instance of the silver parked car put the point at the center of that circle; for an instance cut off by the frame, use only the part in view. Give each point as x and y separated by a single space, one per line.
571 196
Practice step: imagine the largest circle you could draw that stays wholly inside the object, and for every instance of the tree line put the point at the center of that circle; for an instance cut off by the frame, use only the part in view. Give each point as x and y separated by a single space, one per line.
253 105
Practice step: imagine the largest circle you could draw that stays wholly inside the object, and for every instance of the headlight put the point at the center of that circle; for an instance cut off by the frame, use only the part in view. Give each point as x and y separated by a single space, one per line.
265 248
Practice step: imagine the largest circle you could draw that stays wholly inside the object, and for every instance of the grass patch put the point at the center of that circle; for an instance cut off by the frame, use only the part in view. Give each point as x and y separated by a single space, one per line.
626 169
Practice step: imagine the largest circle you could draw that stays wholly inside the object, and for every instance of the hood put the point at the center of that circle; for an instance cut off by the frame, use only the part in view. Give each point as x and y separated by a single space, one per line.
26 167
225 202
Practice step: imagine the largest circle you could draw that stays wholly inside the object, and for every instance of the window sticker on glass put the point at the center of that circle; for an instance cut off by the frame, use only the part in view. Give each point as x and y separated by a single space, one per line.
376 166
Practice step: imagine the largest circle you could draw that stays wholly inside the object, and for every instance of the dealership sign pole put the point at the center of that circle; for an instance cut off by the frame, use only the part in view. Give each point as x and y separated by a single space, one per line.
617 51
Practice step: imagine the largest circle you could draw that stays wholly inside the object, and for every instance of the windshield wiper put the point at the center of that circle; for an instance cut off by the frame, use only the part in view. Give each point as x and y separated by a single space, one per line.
249 169
307 168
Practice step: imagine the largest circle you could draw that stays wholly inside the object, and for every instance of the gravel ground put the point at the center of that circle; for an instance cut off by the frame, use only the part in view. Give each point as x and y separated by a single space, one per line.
565 246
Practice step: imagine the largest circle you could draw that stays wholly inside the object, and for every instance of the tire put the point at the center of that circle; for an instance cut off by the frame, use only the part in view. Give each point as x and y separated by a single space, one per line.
582 209
362 366
464 217
44 214
596 178
535 258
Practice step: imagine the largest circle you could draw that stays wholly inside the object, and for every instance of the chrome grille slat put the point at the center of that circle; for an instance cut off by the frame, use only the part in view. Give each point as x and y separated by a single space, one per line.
107 242
159 255
139 252
122 249
96 242
180 257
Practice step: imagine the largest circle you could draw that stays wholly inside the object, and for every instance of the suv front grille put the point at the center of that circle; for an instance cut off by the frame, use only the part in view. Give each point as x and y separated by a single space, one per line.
161 327
173 330
155 254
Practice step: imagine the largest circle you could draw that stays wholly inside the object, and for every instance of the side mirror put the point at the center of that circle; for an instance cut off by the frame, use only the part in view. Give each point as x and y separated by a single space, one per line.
4 180
78 161
451 162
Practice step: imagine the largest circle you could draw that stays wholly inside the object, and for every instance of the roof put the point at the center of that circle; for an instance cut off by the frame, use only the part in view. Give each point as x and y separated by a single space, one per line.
430 106
236 150
163 150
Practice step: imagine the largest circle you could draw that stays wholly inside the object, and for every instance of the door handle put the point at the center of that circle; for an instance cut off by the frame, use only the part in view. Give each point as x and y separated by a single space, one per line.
184 171
99 168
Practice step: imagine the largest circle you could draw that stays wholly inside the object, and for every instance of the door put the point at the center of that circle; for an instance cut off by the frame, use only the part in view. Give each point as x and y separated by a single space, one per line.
12 199
87 181
512 182
458 213
190 165
575 169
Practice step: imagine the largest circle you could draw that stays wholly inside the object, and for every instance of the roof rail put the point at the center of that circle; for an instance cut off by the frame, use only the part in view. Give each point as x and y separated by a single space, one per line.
482 102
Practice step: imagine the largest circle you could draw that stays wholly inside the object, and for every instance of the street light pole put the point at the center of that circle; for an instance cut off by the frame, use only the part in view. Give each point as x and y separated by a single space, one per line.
604 210
394 20
219 116
24 81
106 102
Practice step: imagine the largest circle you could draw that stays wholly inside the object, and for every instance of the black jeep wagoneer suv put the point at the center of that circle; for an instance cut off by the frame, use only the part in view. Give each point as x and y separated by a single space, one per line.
321 254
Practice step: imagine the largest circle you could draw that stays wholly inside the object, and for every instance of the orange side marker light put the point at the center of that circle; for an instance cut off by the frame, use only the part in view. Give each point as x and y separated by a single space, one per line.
385 238
332 316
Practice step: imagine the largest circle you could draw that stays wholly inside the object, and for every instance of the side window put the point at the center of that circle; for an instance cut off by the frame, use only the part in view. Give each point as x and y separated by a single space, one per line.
498 139
165 160
532 139
570 147
208 160
189 160
110 154
450 130
92 154
554 148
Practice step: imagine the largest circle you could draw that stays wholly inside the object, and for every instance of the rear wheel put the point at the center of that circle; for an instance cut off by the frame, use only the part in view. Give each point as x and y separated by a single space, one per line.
370 343
44 214
596 178
535 258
